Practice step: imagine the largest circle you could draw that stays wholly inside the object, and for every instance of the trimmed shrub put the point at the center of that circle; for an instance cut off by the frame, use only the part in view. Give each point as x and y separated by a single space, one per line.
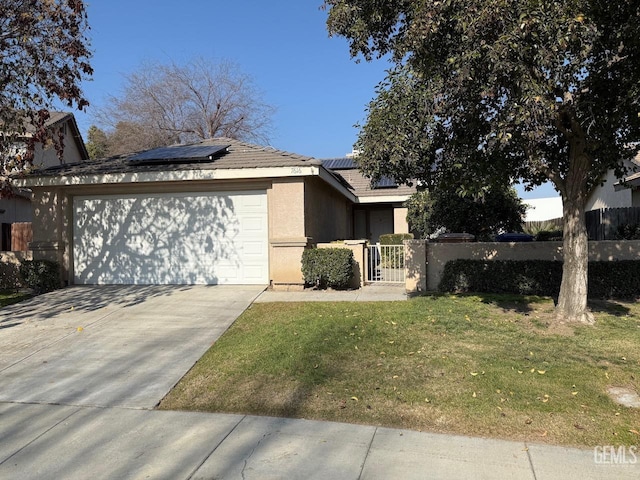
395 238
392 258
40 275
628 231
549 236
537 277
328 267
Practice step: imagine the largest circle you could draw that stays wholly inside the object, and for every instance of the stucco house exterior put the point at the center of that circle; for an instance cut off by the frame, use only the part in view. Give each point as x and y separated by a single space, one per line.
612 193
379 209
18 208
217 212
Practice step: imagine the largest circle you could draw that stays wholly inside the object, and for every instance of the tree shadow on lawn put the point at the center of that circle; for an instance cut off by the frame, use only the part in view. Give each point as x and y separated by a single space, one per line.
522 304
529 304
614 307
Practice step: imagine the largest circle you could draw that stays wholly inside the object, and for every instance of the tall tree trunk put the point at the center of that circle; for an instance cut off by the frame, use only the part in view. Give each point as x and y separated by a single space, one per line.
572 302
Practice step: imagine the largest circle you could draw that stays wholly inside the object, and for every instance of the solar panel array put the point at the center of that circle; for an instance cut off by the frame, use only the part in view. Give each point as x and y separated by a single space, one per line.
179 154
385 182
339 163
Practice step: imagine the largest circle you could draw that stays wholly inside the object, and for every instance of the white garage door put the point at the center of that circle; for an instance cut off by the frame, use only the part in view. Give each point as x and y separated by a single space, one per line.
169 238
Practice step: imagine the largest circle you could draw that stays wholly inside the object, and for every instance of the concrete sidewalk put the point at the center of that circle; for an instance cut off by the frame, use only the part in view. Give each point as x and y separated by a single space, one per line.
67 442
368 293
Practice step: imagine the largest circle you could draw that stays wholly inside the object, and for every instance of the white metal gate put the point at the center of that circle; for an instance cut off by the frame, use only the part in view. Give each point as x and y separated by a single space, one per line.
385 264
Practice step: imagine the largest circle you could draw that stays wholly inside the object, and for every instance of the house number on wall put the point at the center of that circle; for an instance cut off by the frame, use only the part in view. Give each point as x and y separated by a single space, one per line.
296 170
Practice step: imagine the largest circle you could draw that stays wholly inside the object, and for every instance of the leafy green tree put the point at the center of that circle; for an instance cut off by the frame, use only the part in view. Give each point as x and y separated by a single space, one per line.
418 211
503 90
497 210
97 143
44 56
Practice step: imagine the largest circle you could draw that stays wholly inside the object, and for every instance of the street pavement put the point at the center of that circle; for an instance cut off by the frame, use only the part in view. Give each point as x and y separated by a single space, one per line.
81 370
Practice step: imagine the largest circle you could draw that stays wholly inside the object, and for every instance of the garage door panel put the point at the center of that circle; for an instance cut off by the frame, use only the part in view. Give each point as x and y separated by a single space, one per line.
171 238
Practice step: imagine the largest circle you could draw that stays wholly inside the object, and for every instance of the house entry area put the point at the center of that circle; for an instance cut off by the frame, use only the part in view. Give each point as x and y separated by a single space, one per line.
171 238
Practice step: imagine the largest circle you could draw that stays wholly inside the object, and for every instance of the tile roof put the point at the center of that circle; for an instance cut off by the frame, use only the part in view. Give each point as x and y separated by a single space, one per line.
361 186
238 155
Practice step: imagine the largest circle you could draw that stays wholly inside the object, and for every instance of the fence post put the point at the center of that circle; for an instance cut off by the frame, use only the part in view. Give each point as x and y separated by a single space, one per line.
415 266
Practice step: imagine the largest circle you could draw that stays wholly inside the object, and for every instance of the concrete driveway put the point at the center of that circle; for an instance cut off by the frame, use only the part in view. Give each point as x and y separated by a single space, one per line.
107 346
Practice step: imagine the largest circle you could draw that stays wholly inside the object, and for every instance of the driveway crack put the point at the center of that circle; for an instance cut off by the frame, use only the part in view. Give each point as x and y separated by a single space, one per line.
246 460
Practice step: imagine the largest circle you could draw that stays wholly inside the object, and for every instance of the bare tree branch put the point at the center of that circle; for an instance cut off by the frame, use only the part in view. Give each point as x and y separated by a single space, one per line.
177 103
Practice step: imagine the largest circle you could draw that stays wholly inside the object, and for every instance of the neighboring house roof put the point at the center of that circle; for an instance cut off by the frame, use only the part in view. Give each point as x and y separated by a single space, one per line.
59 118
361 185
633 180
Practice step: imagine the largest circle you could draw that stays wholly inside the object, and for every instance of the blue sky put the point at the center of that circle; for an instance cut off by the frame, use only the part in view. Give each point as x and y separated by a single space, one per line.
319 92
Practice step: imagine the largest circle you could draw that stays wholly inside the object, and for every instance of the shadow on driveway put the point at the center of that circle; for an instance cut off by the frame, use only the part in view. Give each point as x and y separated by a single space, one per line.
111 346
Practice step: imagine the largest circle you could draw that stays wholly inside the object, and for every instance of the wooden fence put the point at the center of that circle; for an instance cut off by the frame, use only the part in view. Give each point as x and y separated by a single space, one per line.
603 224
16 236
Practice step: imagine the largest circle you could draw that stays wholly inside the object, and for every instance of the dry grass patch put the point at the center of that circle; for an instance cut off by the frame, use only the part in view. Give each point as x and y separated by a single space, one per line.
488 366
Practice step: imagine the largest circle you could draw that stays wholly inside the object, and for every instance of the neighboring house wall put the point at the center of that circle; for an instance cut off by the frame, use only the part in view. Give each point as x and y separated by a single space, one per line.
541 209
328 214
17 209
605 196
48 157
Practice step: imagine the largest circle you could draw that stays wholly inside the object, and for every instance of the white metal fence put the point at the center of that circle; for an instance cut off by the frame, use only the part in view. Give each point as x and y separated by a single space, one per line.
385 263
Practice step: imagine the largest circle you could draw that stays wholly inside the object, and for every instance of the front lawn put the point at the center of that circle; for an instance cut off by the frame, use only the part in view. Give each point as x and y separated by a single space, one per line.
10 297
473 365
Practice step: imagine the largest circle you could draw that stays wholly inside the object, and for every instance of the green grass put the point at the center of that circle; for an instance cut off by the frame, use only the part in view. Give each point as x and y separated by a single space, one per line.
8 298
490 366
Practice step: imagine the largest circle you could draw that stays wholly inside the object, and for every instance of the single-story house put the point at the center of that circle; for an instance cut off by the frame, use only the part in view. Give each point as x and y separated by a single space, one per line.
17 209
217 212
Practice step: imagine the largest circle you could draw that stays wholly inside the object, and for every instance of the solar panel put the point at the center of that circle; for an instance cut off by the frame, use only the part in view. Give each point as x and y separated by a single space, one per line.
339 163
385 182
179 154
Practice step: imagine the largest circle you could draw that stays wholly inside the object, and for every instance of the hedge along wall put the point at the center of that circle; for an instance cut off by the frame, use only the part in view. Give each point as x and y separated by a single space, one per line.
538 277
10 269
438 254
